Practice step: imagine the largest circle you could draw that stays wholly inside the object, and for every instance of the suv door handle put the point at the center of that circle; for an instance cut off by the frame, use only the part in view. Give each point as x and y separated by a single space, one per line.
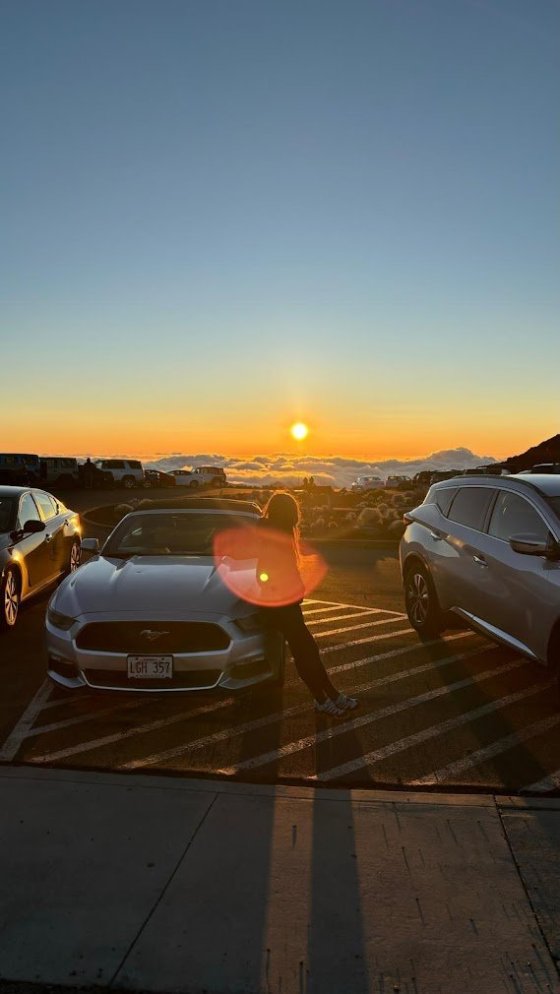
479 561
437 536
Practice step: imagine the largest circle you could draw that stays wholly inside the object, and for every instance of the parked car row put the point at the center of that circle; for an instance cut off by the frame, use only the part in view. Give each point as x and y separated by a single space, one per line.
26 469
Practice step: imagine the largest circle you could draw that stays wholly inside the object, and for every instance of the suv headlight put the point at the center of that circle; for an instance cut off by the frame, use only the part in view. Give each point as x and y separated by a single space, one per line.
58 620
250 624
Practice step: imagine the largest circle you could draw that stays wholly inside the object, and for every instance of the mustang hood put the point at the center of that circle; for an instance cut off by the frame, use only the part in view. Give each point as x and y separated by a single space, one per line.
166 585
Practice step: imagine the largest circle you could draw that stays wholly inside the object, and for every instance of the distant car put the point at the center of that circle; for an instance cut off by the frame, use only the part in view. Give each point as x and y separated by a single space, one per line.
202 476
394 482
545 467
487 549
126 472
157 478
151 612
364 483
40 541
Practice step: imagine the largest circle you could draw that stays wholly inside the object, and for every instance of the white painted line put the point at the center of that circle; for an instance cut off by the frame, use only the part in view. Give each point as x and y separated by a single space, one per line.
550 782
334 730
79 719
58 702
355 628
333 607
347 617
12 744
415 647
489 751
139 730
398 614
434 731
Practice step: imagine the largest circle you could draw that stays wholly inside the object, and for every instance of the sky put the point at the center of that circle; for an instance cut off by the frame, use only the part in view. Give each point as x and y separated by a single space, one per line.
223 216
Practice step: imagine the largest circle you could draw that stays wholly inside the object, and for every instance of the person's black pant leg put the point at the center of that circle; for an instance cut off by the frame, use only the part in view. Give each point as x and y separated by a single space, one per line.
290 621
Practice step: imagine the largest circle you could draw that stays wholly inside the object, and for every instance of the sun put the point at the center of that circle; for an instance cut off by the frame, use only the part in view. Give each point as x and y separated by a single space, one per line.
299 431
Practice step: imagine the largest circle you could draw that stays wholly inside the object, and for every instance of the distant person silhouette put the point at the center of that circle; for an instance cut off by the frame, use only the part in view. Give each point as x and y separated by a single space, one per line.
281 515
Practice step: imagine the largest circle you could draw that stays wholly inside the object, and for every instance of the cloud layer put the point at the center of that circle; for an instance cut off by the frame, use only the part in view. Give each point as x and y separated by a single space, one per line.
289 470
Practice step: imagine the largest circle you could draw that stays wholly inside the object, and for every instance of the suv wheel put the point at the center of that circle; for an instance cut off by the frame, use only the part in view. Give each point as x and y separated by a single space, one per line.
421 601
128 482
193 484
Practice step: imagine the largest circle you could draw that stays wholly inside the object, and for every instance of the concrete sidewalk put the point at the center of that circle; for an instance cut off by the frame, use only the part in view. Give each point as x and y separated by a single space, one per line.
163 884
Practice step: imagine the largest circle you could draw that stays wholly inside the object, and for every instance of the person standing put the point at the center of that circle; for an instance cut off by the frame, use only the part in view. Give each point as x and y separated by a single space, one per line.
281 516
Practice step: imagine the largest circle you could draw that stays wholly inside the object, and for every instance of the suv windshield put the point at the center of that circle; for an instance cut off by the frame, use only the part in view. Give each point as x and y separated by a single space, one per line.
170 534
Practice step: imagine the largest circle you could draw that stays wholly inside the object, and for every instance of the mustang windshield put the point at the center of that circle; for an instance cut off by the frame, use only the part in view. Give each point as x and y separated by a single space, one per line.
170 533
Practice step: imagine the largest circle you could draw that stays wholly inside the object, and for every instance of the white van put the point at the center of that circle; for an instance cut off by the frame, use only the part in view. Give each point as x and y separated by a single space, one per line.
126 472
364 483
62 470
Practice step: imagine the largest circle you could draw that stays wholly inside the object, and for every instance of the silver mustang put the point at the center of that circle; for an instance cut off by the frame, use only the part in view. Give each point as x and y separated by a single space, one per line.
151 611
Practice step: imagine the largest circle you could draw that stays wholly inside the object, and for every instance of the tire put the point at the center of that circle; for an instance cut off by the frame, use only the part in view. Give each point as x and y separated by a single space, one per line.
75 557
421 602
10 600
193 485
128 482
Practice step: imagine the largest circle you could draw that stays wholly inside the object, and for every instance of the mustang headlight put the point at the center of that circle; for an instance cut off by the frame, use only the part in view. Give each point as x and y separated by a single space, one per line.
58 620
250 625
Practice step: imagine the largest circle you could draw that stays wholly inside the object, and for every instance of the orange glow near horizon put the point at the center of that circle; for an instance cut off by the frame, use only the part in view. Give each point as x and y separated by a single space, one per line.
335 434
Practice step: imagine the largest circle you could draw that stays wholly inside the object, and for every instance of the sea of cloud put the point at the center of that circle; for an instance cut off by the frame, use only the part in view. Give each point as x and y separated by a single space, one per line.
288 469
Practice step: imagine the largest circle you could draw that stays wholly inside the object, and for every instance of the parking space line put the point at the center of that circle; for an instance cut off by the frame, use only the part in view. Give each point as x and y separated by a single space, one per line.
434 731
550 782
415 647
55 726
354 628
12 744
139 730
398 614
347 617
488 752
333 607
229 733
333 731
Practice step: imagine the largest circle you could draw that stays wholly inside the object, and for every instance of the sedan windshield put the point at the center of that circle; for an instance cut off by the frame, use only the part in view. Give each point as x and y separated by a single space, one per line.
169 534
8 511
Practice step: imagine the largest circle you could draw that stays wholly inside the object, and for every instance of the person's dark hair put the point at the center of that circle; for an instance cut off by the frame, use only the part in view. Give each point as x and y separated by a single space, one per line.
282 512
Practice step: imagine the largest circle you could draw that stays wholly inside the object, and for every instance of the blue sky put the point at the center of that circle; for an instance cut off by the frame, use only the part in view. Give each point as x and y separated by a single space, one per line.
220 217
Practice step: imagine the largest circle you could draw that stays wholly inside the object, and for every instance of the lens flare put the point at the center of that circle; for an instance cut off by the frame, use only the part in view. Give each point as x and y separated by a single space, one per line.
299 431
261 566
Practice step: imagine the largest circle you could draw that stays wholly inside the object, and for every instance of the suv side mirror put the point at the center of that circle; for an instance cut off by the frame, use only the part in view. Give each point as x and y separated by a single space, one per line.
528 546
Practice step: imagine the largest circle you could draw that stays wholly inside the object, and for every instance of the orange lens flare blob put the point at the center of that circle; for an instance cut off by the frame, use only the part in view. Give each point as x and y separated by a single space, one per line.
260 566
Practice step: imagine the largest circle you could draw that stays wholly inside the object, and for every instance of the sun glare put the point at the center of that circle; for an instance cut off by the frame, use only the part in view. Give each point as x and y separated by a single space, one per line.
299 431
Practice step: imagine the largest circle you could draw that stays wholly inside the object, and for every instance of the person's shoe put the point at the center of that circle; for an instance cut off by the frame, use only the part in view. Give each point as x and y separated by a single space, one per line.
329 707
345 703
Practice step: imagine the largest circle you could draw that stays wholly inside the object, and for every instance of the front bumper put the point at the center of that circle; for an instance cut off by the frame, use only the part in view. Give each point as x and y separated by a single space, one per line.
249 659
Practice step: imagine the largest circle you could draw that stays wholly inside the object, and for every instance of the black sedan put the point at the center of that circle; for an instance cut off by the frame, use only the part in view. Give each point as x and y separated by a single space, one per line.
40 541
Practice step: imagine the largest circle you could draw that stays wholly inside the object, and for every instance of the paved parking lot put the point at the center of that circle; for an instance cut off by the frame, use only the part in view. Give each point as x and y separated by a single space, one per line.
456 711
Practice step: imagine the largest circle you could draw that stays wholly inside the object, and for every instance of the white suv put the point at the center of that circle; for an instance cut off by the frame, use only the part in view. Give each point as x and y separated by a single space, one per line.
128 472
202 476
364 483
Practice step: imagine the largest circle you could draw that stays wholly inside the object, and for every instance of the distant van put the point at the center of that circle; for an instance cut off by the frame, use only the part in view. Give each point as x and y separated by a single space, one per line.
364 483
19 469
62 470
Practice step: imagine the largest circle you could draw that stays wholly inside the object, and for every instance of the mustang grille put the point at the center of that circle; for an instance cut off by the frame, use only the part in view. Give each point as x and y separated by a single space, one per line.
152 637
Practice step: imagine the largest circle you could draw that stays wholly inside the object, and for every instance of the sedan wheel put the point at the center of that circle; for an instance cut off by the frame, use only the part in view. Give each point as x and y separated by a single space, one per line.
75 557
10 600
420 597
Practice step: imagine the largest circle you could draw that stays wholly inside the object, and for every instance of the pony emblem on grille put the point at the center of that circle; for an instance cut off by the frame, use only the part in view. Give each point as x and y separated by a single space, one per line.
151 634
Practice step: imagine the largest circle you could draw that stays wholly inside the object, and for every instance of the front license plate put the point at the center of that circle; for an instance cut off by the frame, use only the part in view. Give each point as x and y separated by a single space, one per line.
150 667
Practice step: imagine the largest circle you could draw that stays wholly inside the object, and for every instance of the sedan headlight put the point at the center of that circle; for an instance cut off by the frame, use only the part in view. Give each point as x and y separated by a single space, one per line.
59 620
250 624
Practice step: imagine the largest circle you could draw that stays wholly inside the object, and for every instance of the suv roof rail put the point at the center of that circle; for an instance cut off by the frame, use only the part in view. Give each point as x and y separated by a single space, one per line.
491 476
